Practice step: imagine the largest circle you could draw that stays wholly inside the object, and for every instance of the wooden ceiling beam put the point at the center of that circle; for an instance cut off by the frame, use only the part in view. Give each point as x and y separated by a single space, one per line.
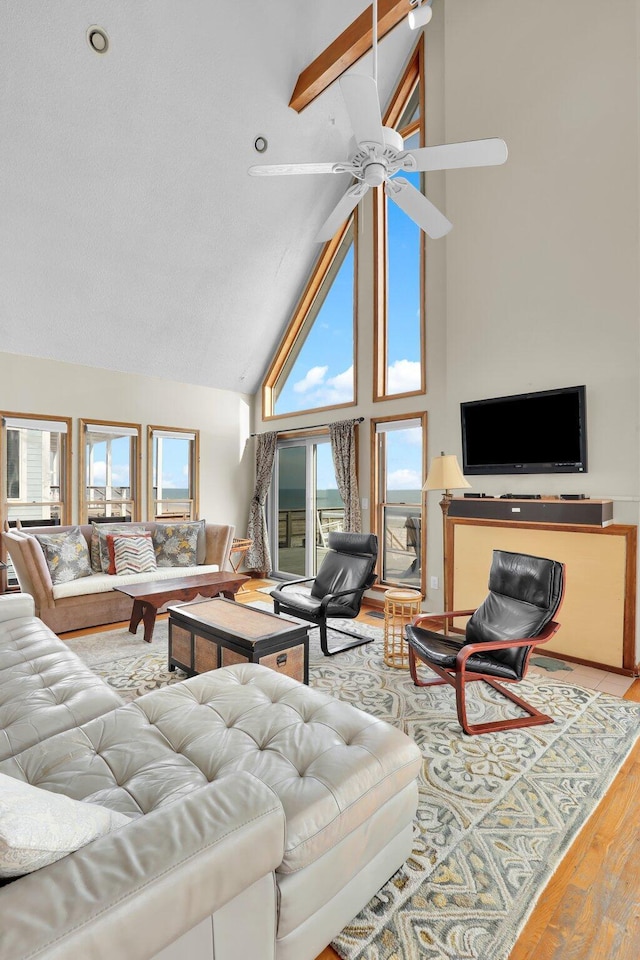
345 50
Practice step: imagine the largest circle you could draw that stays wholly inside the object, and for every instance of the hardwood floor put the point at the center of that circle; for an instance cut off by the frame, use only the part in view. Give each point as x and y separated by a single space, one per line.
590 909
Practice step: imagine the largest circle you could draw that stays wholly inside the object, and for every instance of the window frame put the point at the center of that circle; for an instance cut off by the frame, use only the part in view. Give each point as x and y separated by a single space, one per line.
8 499
135 465
194 465
377 505
413 76
64 502
299 319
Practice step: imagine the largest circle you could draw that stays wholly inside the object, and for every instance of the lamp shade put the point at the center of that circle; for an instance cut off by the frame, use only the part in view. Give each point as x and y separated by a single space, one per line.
445 474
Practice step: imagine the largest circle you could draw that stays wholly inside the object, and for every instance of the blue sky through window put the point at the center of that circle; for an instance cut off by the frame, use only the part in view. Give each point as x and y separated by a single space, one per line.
176 456
322 373
404 369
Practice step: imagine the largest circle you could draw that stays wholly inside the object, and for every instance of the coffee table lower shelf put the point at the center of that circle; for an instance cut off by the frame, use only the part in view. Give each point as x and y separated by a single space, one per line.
209 634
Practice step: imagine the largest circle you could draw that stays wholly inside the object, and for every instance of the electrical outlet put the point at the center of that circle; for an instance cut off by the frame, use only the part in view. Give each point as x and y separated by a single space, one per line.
435 583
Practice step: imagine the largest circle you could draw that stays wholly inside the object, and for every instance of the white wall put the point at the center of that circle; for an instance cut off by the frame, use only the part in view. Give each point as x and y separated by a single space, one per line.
542 264
31 385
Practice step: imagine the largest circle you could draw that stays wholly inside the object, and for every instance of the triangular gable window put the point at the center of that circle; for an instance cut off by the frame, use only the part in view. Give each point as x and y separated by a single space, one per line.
315 366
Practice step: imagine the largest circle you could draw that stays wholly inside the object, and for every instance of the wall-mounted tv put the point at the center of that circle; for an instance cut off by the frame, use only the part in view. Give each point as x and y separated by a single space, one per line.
543 432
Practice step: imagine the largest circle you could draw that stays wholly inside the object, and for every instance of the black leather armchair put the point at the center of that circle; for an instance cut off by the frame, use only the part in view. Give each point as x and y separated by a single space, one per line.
525 594
346 572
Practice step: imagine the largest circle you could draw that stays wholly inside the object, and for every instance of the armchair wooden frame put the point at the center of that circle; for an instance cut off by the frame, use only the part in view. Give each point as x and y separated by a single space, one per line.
459 676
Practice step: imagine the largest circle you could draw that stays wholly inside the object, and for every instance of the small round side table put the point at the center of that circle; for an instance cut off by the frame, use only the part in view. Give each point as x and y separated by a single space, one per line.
400 607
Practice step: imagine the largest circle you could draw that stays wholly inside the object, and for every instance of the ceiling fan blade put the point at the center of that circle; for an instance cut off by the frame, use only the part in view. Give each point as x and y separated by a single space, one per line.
341 211
452 156
285 169
360 95
416 206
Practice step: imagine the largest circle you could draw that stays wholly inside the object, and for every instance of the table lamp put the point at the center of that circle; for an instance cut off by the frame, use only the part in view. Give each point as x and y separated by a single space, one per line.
445 474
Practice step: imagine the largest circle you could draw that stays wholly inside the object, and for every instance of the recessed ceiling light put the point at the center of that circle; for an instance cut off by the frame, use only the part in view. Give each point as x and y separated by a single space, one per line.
260 143
98 39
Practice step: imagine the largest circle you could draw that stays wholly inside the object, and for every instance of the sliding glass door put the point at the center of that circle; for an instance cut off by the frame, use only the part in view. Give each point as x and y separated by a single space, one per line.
304 505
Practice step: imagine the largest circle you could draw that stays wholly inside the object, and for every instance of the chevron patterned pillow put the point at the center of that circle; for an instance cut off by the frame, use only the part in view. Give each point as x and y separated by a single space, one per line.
134 554
109 542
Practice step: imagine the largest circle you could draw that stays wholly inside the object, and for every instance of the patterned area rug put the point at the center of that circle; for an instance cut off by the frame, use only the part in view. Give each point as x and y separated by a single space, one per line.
497 812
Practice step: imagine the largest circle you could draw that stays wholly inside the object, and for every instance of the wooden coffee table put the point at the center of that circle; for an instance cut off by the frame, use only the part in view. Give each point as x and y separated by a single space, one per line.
150 596
209 634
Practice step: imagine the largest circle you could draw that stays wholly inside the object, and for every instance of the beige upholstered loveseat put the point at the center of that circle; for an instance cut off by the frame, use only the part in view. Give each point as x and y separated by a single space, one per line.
264 814
91 601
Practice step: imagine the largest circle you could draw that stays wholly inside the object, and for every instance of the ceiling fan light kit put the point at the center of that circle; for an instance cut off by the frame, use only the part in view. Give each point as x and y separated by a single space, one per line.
377 155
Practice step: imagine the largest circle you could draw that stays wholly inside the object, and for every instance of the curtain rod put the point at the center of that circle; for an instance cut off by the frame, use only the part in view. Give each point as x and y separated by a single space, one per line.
314 427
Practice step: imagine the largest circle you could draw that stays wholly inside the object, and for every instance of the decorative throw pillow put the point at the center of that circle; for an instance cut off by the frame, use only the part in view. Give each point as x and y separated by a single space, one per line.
176 544
100 531
133 554
111 538
67 555
201 551
38 827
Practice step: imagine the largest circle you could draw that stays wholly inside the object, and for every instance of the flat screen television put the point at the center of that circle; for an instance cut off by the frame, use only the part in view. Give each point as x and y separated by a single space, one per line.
543 432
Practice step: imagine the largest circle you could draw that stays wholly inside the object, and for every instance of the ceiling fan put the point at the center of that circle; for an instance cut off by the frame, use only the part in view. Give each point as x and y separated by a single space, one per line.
377 155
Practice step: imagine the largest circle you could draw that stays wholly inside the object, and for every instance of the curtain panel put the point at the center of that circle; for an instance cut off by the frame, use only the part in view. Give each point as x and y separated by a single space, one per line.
258 556
343 448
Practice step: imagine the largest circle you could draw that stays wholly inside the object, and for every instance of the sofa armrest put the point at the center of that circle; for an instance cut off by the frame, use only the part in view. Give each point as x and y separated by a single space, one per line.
31 567
219 537
136 890
14 605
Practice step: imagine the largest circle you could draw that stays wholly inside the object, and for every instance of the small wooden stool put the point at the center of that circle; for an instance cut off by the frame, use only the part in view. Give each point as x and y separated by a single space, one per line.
400 607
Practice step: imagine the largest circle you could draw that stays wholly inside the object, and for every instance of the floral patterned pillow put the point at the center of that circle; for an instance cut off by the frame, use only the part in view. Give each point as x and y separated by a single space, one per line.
67 555
176 544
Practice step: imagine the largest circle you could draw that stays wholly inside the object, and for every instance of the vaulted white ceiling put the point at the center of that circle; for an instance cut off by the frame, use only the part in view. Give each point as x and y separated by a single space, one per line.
131 235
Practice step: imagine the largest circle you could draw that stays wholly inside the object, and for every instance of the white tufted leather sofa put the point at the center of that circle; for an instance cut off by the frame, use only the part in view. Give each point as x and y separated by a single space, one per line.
265 814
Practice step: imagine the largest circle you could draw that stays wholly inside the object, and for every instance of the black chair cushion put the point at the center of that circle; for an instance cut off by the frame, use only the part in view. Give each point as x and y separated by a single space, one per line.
302 604
362 543
340 572
523 577
524 594
442 651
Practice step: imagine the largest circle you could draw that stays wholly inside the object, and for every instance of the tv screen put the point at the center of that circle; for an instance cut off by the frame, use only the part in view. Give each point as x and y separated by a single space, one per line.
543 432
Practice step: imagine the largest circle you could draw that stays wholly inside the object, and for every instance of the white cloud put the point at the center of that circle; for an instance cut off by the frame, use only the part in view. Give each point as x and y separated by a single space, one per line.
403 376
343 383
338 389
404 479
315 391
119 474
312 378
